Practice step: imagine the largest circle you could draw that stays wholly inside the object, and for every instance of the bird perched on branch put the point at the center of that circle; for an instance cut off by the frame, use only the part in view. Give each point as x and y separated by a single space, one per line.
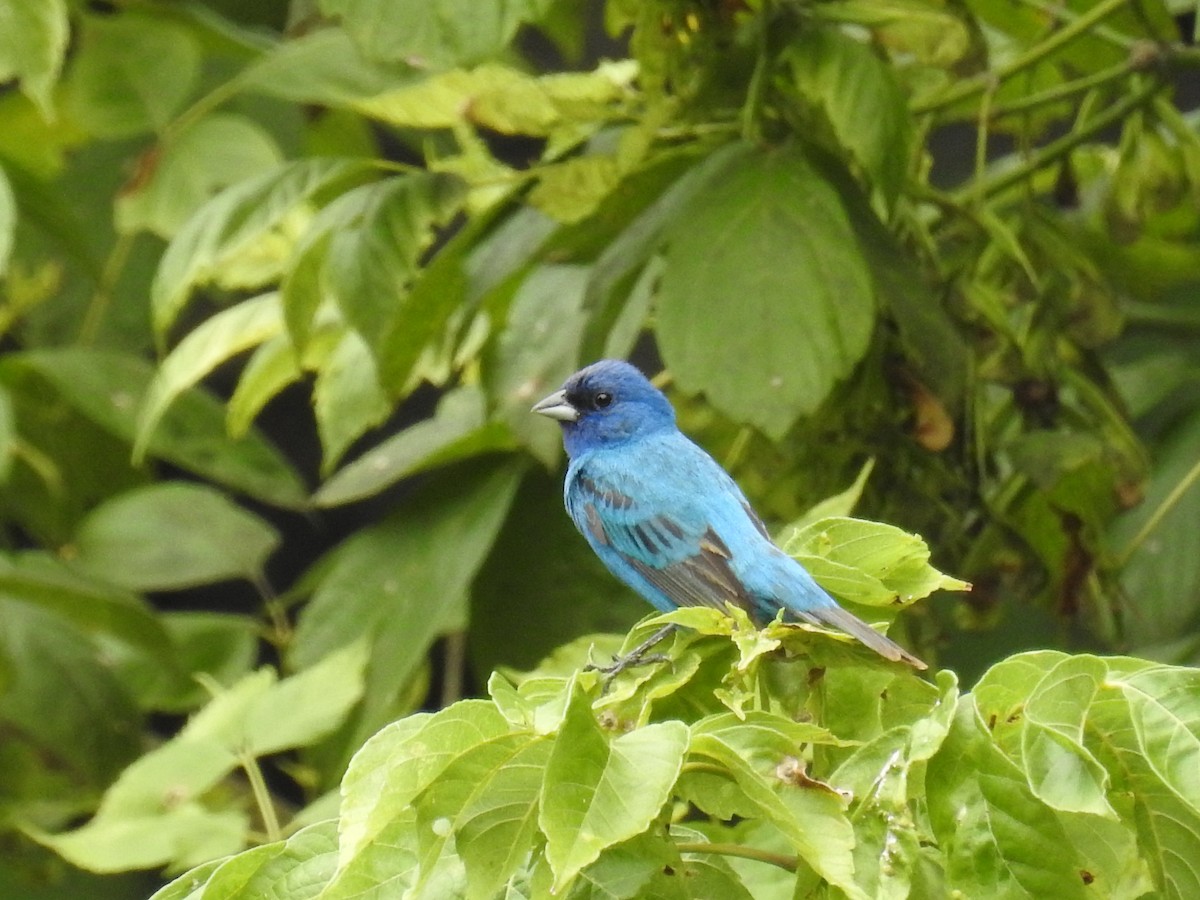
666 519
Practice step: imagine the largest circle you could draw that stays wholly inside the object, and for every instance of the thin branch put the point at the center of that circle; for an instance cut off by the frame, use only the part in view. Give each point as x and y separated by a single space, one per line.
262 797
1033 56
1055 150
787 863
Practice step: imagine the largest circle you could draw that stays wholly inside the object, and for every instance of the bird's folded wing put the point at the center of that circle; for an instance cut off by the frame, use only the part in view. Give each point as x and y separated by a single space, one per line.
678 552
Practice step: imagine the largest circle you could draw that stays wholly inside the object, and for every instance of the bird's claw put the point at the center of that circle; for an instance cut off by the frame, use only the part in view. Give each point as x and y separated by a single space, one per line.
635 658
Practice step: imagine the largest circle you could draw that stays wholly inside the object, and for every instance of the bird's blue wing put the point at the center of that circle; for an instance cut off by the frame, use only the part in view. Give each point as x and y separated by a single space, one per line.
669 552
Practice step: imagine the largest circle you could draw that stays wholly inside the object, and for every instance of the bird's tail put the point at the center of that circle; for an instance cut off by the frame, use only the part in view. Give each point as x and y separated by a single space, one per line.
836 617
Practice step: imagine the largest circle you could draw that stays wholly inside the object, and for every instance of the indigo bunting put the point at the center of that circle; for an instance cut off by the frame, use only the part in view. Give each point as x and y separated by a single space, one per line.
666 519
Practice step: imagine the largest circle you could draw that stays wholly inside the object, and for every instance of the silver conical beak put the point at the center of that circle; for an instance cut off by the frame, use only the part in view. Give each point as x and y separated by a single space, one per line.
556 406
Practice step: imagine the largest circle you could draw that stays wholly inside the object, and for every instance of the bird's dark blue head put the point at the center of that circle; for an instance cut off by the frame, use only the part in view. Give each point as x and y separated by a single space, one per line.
608 403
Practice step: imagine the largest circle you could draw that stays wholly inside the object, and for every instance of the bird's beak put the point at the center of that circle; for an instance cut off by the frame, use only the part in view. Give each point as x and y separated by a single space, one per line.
556 406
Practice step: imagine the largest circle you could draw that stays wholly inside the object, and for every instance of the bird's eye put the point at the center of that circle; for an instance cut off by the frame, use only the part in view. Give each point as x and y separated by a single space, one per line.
602 400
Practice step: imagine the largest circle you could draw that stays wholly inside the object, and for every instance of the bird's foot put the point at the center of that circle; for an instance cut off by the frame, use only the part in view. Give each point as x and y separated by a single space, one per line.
635 658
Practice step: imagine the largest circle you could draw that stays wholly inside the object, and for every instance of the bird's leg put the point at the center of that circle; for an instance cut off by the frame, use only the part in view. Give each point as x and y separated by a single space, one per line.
638 656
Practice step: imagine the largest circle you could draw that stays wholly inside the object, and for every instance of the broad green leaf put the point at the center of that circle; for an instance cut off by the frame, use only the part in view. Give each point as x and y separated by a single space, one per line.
33 44
1061 771
1146 731
456 430
190 885
999 840
1162 577
404 581
271 368
219 338
185 834
298 868
537 350
155 814
861 101
766 301
170 536
62 702
402 760
242 237
180 177
215 648
305 707
598 792
118 85
431 35
8 221
108 389
812 816
90 606
372 261
486 801
322 67
347 397
645 866
889 556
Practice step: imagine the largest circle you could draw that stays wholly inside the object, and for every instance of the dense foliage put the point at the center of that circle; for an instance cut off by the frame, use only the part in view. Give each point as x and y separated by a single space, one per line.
281 281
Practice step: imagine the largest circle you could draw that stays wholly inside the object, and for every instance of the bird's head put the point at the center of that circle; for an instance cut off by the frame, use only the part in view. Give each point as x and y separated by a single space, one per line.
608 403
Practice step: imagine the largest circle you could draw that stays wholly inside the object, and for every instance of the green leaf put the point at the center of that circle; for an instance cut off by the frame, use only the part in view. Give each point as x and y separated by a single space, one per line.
1147 728
999 840
457 430
219 338
156 813
1061 771
486 802
108 388
598 792
812 816
548 307
767 227
861 100
402 760
92 607
47 666
347 397
431 35
322 67
867 554
404 581
33 43
8 221
118 85
298 869
179 178
170 536
373 259
271 368
242 237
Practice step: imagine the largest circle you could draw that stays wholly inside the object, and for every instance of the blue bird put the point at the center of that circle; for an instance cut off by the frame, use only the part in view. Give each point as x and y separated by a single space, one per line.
666 519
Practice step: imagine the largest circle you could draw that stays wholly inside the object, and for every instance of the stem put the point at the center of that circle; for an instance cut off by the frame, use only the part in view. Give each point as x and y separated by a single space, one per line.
1064 145
262 797
751 130
1063 91
454 649
1031 57
113 267
1169 502
788 863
